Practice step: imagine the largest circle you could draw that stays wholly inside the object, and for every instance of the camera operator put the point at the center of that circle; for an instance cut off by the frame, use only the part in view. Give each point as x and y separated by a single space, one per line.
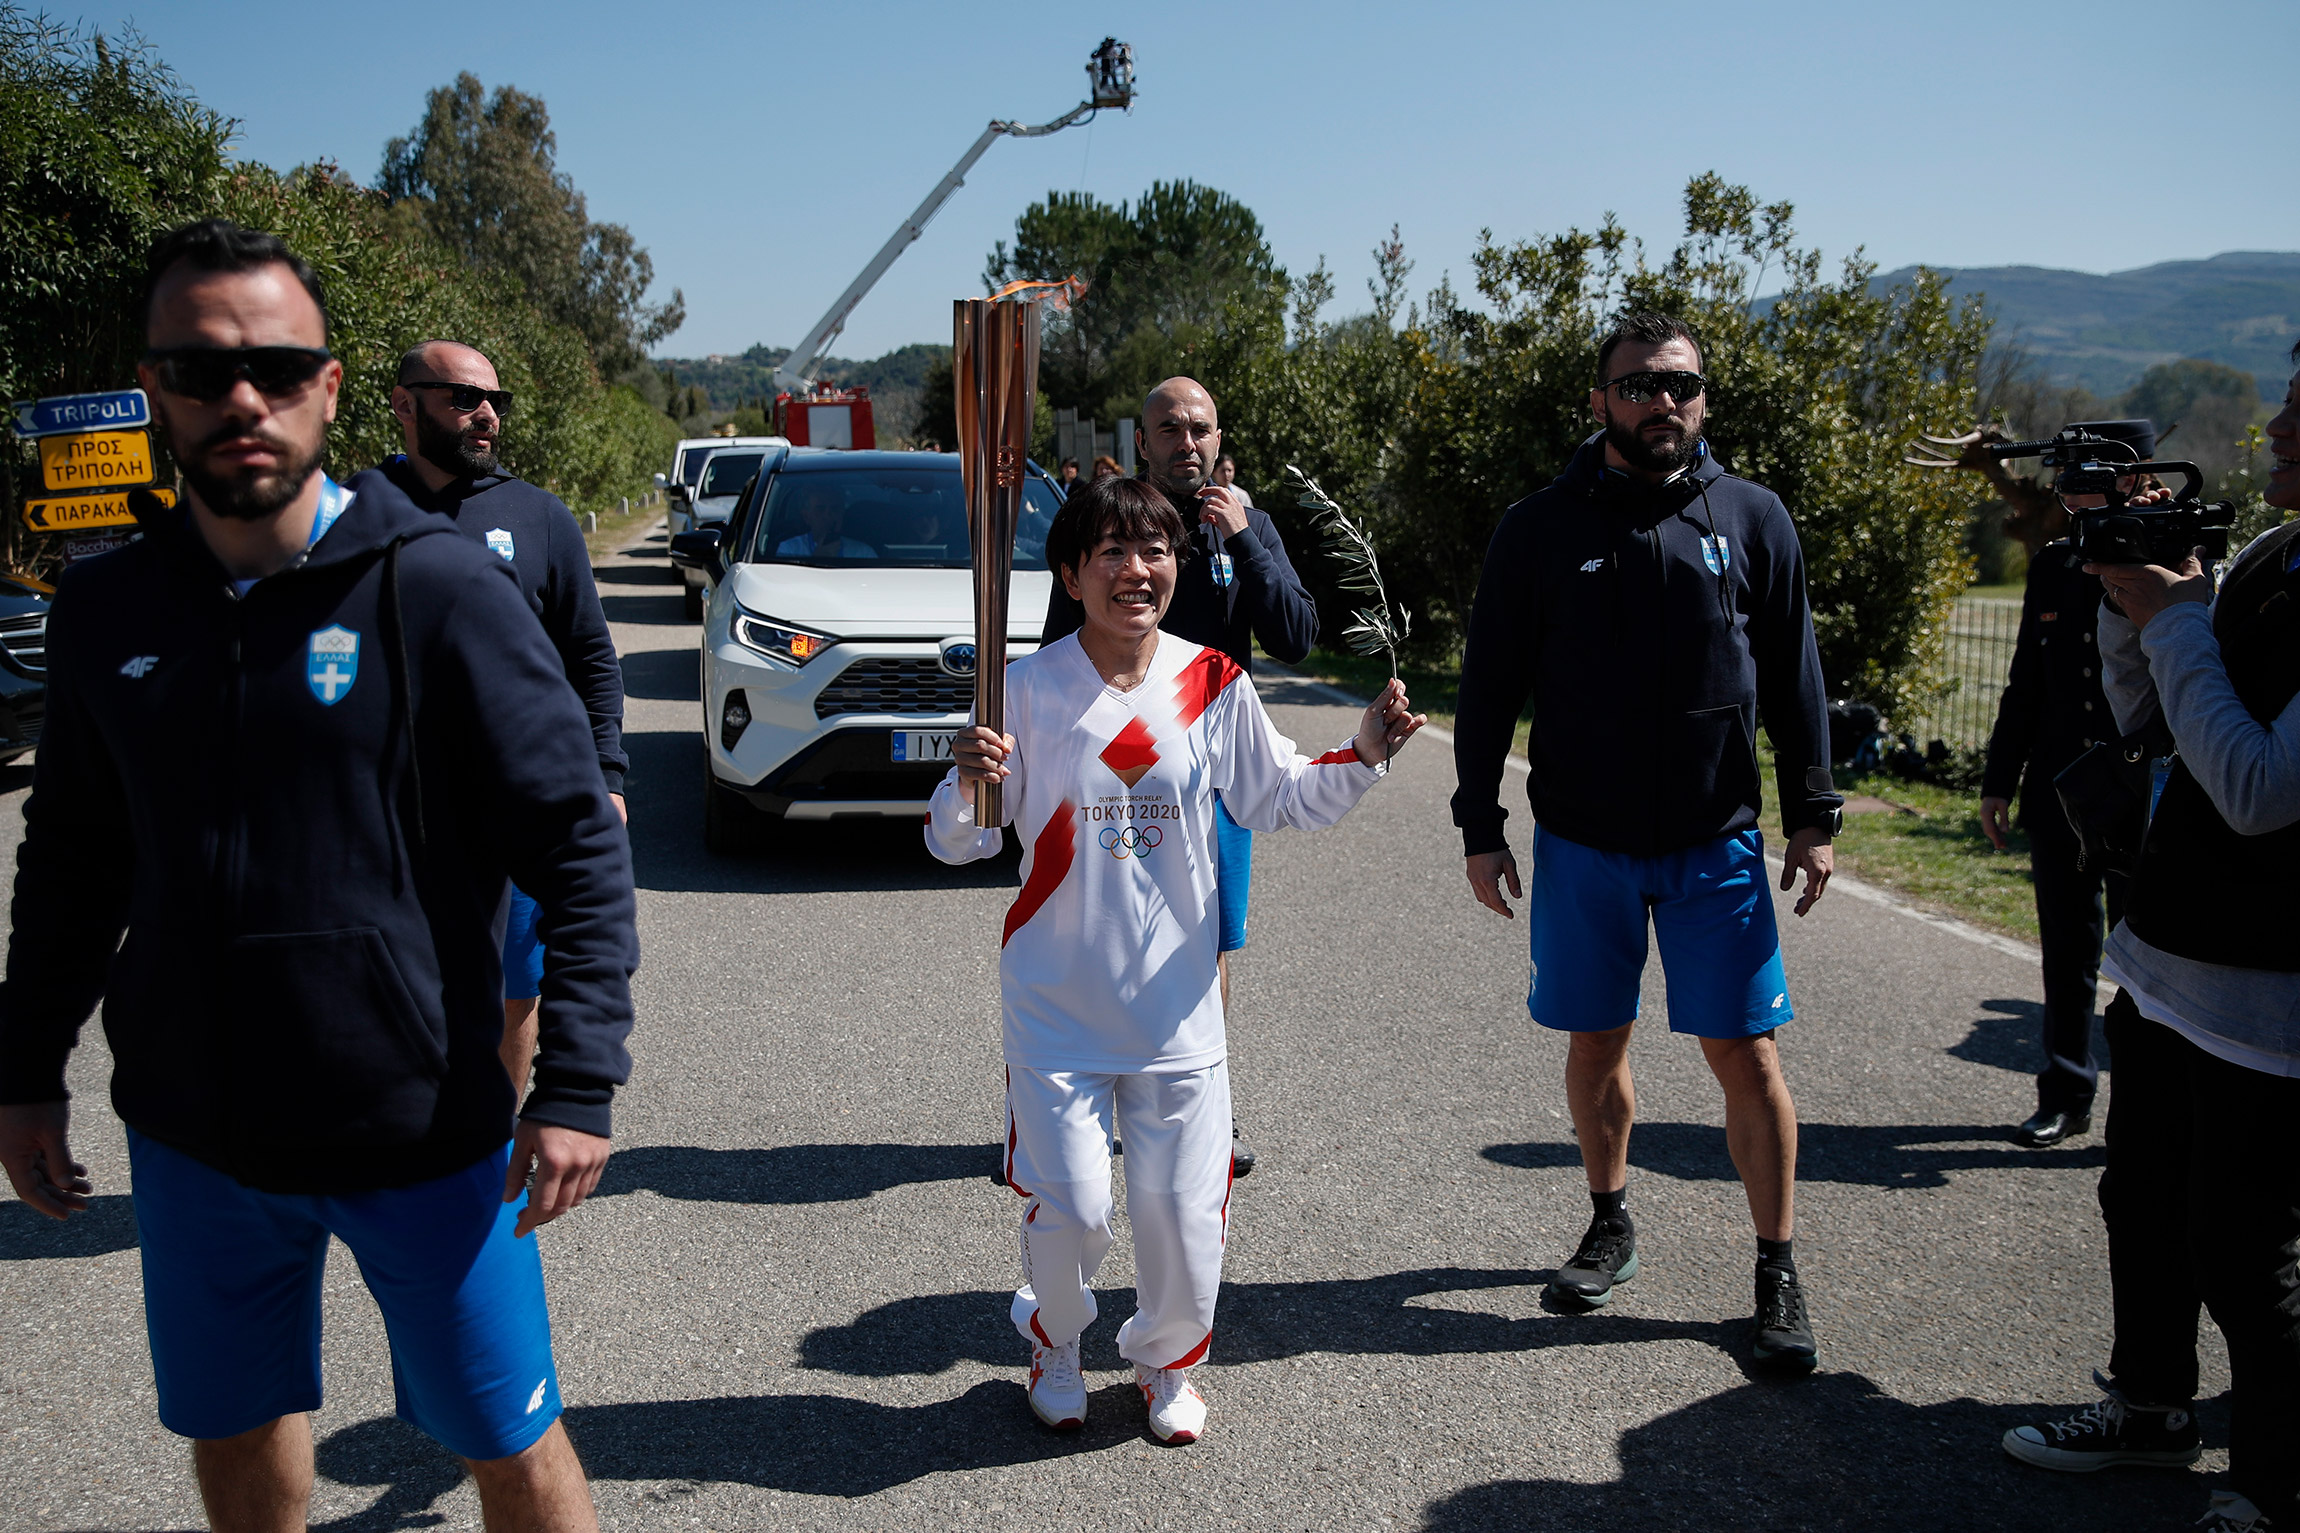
2202 1192
2051 713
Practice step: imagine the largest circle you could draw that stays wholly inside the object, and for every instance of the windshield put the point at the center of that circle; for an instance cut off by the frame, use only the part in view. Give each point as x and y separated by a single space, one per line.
728 473
881 517
691 461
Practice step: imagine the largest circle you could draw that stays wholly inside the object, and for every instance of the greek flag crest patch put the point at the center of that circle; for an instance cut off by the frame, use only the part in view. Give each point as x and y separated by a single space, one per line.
499 539
332 663
1717 554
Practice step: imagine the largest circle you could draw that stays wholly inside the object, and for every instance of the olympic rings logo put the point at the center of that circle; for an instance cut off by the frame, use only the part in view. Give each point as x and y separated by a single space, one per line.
1132 841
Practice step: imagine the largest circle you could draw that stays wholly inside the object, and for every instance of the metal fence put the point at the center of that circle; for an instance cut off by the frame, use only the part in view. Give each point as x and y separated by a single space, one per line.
1982 633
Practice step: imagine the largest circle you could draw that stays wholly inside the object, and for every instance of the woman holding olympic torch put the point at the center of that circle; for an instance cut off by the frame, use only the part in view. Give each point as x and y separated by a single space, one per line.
1118 738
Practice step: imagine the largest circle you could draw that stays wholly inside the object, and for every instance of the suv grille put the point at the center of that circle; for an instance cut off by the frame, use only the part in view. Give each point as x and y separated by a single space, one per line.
889 685
26 636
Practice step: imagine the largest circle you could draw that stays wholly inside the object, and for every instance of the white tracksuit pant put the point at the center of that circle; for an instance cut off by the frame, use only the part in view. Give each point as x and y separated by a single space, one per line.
1176 1130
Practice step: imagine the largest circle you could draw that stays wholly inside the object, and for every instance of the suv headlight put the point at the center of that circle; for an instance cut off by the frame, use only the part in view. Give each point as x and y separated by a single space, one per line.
779 641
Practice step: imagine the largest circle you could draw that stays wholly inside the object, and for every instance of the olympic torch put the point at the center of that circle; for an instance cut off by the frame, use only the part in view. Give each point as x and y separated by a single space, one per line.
994 373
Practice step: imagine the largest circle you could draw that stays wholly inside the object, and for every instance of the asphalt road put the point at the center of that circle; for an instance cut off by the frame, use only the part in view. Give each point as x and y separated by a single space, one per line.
787 1306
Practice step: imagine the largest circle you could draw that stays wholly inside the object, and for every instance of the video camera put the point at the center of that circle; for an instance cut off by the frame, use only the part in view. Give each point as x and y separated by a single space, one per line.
2091 461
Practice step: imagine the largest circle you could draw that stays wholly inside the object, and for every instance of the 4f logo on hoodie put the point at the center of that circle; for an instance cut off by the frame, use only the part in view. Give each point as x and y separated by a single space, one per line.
332 663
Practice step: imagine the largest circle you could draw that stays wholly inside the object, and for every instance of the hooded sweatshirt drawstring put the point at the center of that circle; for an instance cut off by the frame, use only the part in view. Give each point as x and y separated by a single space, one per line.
402 691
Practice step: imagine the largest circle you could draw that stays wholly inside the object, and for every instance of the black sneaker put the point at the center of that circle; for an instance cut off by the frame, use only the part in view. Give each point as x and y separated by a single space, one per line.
1784 1334
2108 1432
1608 1255
1241 1156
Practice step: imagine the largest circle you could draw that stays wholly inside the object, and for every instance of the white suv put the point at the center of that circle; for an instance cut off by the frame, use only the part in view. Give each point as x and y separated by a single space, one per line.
838 635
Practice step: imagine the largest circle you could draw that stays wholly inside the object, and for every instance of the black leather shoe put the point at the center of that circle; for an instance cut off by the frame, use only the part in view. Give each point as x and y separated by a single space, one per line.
2050 1127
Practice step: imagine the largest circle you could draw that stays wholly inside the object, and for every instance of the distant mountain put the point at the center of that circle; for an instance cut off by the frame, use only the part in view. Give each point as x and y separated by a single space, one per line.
2241 308
894 380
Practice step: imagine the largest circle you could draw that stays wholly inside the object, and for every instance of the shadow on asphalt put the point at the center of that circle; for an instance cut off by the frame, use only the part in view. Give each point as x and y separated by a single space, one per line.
675 675
1256 1323
1832 1452
790 1173
108 1224
814 1445
2012 1037
786 857
1898 1155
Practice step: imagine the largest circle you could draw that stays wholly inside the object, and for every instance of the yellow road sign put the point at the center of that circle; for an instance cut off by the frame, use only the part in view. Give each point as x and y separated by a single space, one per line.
77 513
96 460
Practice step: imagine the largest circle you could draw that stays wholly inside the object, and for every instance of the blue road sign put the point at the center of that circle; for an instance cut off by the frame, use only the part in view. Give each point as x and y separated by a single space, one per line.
112 410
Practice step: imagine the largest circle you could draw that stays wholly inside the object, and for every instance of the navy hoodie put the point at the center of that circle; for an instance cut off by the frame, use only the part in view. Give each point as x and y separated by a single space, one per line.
533 531
300 806
1650 627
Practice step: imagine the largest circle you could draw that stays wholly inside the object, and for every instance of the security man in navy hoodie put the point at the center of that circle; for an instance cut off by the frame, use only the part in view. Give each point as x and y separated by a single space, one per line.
1650 604
450 410
298 737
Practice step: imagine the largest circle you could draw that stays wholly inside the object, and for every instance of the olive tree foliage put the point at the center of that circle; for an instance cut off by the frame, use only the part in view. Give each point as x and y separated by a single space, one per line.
103 150
1430 420
479 173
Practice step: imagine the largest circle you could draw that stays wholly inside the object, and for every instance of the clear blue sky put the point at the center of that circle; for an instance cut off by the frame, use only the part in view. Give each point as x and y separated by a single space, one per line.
761 152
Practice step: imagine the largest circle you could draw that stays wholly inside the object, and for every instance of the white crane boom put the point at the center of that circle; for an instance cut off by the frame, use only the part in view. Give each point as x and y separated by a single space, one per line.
1112 71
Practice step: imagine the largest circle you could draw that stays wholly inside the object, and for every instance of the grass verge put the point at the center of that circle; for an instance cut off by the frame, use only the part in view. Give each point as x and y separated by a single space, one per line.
1927 848
615 527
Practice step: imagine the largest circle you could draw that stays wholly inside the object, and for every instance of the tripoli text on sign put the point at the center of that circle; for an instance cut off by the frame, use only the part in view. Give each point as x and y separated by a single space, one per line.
75 512
96 460
111 410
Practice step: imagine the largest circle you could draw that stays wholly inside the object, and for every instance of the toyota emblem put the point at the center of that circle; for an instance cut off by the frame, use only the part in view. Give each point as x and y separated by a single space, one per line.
958 656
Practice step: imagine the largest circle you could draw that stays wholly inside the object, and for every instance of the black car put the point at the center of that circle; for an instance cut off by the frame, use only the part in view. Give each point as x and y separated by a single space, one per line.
23 665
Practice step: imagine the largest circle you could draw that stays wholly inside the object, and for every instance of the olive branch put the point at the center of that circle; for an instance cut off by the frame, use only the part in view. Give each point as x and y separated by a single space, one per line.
1376 630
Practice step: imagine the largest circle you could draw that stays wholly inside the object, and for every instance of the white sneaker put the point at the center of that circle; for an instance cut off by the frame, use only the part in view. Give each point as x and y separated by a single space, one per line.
1057 1388
1177 1410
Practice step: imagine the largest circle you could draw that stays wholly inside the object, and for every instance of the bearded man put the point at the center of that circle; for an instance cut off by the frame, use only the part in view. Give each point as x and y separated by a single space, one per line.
1648 604
451 408
298 735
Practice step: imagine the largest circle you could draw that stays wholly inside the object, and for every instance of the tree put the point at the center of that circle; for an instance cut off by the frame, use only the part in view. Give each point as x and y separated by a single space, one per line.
102 150
479 174
1164 275
1817 395
2211 403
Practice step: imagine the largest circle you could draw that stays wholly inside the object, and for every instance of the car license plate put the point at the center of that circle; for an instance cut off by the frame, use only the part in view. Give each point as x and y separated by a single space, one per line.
920 745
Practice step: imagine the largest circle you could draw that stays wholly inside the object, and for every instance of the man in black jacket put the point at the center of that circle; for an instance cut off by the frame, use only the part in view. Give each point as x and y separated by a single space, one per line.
450 411
2052 711
298 736
1235 586
1649 605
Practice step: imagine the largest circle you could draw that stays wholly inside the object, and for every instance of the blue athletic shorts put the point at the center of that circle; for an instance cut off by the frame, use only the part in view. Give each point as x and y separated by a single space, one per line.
1233 875
232 1289
522 950
1712 912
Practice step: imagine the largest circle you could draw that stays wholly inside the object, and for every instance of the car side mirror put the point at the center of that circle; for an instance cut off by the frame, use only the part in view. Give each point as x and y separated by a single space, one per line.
699 550
662 481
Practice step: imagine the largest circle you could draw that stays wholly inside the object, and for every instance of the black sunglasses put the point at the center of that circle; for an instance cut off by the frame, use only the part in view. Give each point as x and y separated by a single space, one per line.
208 373
1636 388
464 398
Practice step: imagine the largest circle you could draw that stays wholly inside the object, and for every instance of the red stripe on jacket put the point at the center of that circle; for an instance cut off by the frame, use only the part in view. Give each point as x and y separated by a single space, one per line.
1050 858
1201 681
1335 758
